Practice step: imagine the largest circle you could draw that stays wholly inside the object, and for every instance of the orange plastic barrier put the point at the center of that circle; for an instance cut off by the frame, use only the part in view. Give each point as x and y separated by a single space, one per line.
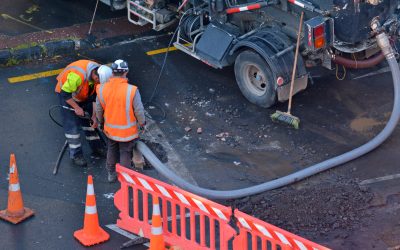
208 224
257 234
205 228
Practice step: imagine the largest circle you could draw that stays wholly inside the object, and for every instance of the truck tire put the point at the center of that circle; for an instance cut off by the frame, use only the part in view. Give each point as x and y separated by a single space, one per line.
254 77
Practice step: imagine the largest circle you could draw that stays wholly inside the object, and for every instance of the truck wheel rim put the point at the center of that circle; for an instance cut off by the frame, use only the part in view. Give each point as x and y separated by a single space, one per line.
255 80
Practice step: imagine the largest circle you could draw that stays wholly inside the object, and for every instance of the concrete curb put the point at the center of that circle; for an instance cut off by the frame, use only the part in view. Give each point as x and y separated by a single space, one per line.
15 56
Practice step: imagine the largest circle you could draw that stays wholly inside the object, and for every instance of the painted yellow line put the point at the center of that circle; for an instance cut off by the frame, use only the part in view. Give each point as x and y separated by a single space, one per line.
6 16
163 50
160 51
43 74
29 77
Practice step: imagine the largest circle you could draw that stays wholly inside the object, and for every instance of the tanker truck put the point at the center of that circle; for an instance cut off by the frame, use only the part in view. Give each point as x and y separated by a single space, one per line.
259 37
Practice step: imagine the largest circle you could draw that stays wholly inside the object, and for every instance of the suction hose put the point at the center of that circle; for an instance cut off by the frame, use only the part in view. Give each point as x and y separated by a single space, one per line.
387 50
354 64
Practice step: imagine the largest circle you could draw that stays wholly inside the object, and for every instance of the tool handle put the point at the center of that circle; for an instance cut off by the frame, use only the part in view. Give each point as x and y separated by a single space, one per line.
55 170
295 62
85 116
67 108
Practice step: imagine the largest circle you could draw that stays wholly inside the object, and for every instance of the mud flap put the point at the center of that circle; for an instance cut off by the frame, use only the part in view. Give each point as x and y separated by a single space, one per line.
299 85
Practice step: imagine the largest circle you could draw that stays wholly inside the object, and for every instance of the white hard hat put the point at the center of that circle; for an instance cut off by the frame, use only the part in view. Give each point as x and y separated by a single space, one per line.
105 73
119 66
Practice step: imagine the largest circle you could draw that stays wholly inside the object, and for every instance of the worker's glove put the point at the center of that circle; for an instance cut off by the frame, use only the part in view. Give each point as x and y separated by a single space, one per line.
93 122
79 111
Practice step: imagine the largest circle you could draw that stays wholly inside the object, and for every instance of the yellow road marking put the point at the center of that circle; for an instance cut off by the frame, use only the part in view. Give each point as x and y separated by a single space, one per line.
29 77
6 16
43 74
163 50
160 51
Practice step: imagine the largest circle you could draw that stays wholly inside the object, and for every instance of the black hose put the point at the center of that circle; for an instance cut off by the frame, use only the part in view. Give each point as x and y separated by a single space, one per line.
51 116
87 116
150 101
162 68
157 105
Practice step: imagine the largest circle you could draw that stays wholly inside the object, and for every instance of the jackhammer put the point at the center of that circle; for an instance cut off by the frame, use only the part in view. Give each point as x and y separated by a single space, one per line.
86 116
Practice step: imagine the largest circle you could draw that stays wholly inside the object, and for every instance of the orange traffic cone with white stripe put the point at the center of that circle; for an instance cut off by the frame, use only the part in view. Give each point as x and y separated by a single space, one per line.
91 233
157 238
15 212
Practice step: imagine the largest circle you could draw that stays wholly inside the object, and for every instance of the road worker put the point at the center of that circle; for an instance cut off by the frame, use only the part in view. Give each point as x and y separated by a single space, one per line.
120 109
76 86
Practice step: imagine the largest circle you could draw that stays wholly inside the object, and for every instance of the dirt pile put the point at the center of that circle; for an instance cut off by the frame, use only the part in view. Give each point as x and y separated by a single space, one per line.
333 208
158 150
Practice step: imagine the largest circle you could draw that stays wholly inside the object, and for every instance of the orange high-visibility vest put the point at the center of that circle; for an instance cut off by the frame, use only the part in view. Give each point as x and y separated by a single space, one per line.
83 68
116 98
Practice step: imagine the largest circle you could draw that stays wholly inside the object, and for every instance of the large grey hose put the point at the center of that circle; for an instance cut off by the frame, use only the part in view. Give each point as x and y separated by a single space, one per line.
384 44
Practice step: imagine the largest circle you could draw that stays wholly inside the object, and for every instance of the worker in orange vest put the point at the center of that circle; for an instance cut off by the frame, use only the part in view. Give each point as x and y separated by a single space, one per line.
76 86
120 109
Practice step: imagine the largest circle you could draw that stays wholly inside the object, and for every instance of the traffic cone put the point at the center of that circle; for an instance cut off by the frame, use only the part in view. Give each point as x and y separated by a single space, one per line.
15 212
156 239
91 233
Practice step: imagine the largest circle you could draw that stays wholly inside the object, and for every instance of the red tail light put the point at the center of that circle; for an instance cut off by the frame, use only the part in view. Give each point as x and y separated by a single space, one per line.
319 31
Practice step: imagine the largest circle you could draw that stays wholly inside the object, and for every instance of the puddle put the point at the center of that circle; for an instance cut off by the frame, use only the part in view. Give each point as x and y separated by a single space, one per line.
363 124
254 165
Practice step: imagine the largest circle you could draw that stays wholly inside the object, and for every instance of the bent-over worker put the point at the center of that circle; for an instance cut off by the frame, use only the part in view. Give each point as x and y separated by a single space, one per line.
76 86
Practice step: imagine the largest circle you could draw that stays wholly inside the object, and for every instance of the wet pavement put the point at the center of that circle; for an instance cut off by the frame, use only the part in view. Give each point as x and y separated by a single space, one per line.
238 146
335 116
25 24
23 16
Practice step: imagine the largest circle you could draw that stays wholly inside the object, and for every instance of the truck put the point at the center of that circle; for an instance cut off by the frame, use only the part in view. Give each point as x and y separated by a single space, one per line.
259 37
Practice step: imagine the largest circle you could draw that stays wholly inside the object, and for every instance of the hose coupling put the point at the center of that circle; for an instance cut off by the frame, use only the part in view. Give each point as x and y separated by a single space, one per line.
384 43
381 38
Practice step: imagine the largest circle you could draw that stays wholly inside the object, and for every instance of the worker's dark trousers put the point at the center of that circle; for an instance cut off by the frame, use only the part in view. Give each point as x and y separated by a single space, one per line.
119 152
72 125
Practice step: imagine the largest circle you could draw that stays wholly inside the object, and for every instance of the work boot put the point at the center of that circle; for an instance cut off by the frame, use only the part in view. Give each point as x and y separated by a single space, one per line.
99 152
138 160
139 163
112 176
79 161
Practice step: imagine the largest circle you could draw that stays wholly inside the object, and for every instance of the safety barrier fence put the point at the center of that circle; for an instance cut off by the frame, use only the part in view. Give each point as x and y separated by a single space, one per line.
133 201
193 222
257 234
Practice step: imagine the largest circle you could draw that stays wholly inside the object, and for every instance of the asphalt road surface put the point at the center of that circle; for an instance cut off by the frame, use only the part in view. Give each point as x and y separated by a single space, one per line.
239 146
23 16
336 116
